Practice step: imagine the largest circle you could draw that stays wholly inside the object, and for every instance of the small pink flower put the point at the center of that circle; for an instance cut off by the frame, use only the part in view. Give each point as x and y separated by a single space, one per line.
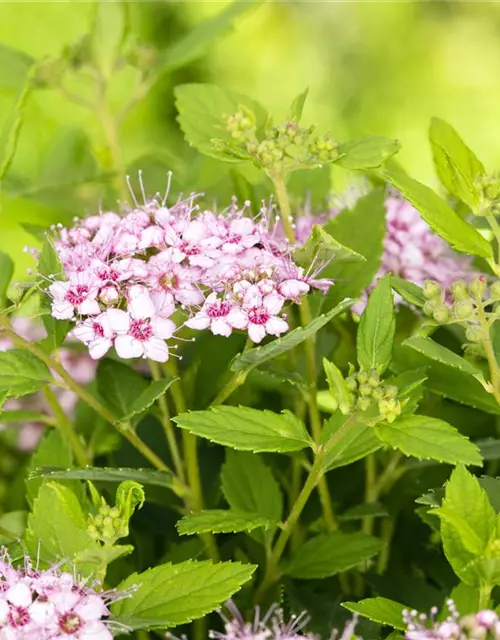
96 333
78 294
261 315
214 315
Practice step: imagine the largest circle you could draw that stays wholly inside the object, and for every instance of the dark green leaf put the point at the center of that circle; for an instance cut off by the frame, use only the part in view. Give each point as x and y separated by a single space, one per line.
222 521
119 387
379 610
357 442
247 429
6 272
377 328
439 216
21 373
367 153
259 355
150 394
103 474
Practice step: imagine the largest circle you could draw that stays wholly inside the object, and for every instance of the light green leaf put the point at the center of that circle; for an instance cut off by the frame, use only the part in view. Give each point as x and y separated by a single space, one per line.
356 442
466 598
247 429
49 264
297 106
259 355
469 538
57 529
12 525
222 521
249 486
103 474
107 34
441 354
14 68
119 387
11 130
367 153
337 384
321 244
21 373
349 228
380 610
6 272
375 338
332 553
439 216
410 292
194 44
150 394
429 438
202 108
457 166
174 594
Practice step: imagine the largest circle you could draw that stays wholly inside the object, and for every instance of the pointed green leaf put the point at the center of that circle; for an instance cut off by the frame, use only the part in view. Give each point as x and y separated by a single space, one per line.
439 216
222 521
457 166
356 442
437 352
409 291
367 153
380 610
103 474
429 438
6 272
21 373
257 356
150 394
9 135
338 387
119 387
297 106
322 245
107 34
332 553
49 264
247 429
377 328
174 594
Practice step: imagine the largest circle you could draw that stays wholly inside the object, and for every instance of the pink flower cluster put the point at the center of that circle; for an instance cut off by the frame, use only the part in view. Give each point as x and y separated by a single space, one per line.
124 277
79 365
484 625
50 605
272 626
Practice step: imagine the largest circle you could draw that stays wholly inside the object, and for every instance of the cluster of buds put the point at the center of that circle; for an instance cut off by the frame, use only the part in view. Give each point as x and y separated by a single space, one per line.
471 304
367 388
489 187
484 625
285 147
107 525
124 277
51 604
271 626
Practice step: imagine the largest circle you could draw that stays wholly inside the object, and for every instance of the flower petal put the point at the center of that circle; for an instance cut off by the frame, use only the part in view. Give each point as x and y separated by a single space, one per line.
156 349
128 347
163 328
118 320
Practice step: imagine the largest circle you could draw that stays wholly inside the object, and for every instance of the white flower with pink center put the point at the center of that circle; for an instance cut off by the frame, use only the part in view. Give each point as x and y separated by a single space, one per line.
96 333
216 315
77 295
171 277
259 314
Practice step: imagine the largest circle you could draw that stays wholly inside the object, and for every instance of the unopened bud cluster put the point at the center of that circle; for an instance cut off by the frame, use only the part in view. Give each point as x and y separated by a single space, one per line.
489 187
286 146
367 388
107 525
471 304
483 625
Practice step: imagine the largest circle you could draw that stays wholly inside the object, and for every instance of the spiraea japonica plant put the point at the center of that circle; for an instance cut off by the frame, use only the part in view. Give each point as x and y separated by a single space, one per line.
250 418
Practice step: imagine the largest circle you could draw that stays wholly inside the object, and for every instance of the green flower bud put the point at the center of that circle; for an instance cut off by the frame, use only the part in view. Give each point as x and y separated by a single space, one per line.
458 290
463 309
478 287
363 403
351 383
474 333
99 521
441 314
374 378
114 512
431 289
390 391
104 510
429 306
365 390
495 290
108 521
378 393
363 377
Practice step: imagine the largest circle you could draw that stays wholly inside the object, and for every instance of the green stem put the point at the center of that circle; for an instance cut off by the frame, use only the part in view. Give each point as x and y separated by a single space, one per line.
488 349
66 427
484 595
236 380
370 490
84 395
495 227
167 425
310 353
388 526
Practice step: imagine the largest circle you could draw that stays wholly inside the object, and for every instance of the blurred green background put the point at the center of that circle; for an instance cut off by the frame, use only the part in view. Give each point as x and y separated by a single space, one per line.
372 68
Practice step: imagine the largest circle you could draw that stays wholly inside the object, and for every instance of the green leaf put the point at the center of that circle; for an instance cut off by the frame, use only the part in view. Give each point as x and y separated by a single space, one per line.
107 34
103 474
367 153
174 594
129 497
349 228
9 136
21 373
22 416
410 292
439 216
147 398
249 486
297 106
202 108
247 429
429 438
194 44
377 328
441 354
457 166
14 68
119 387
380 610
57 529
52 450
49 264
356 442
322 245
332 553
465 498
255 357
222 521
337 384
6 272
14 524
368 509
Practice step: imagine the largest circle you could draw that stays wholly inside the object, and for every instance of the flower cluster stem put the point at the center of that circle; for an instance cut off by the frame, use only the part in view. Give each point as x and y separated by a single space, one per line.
310 353
489 351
